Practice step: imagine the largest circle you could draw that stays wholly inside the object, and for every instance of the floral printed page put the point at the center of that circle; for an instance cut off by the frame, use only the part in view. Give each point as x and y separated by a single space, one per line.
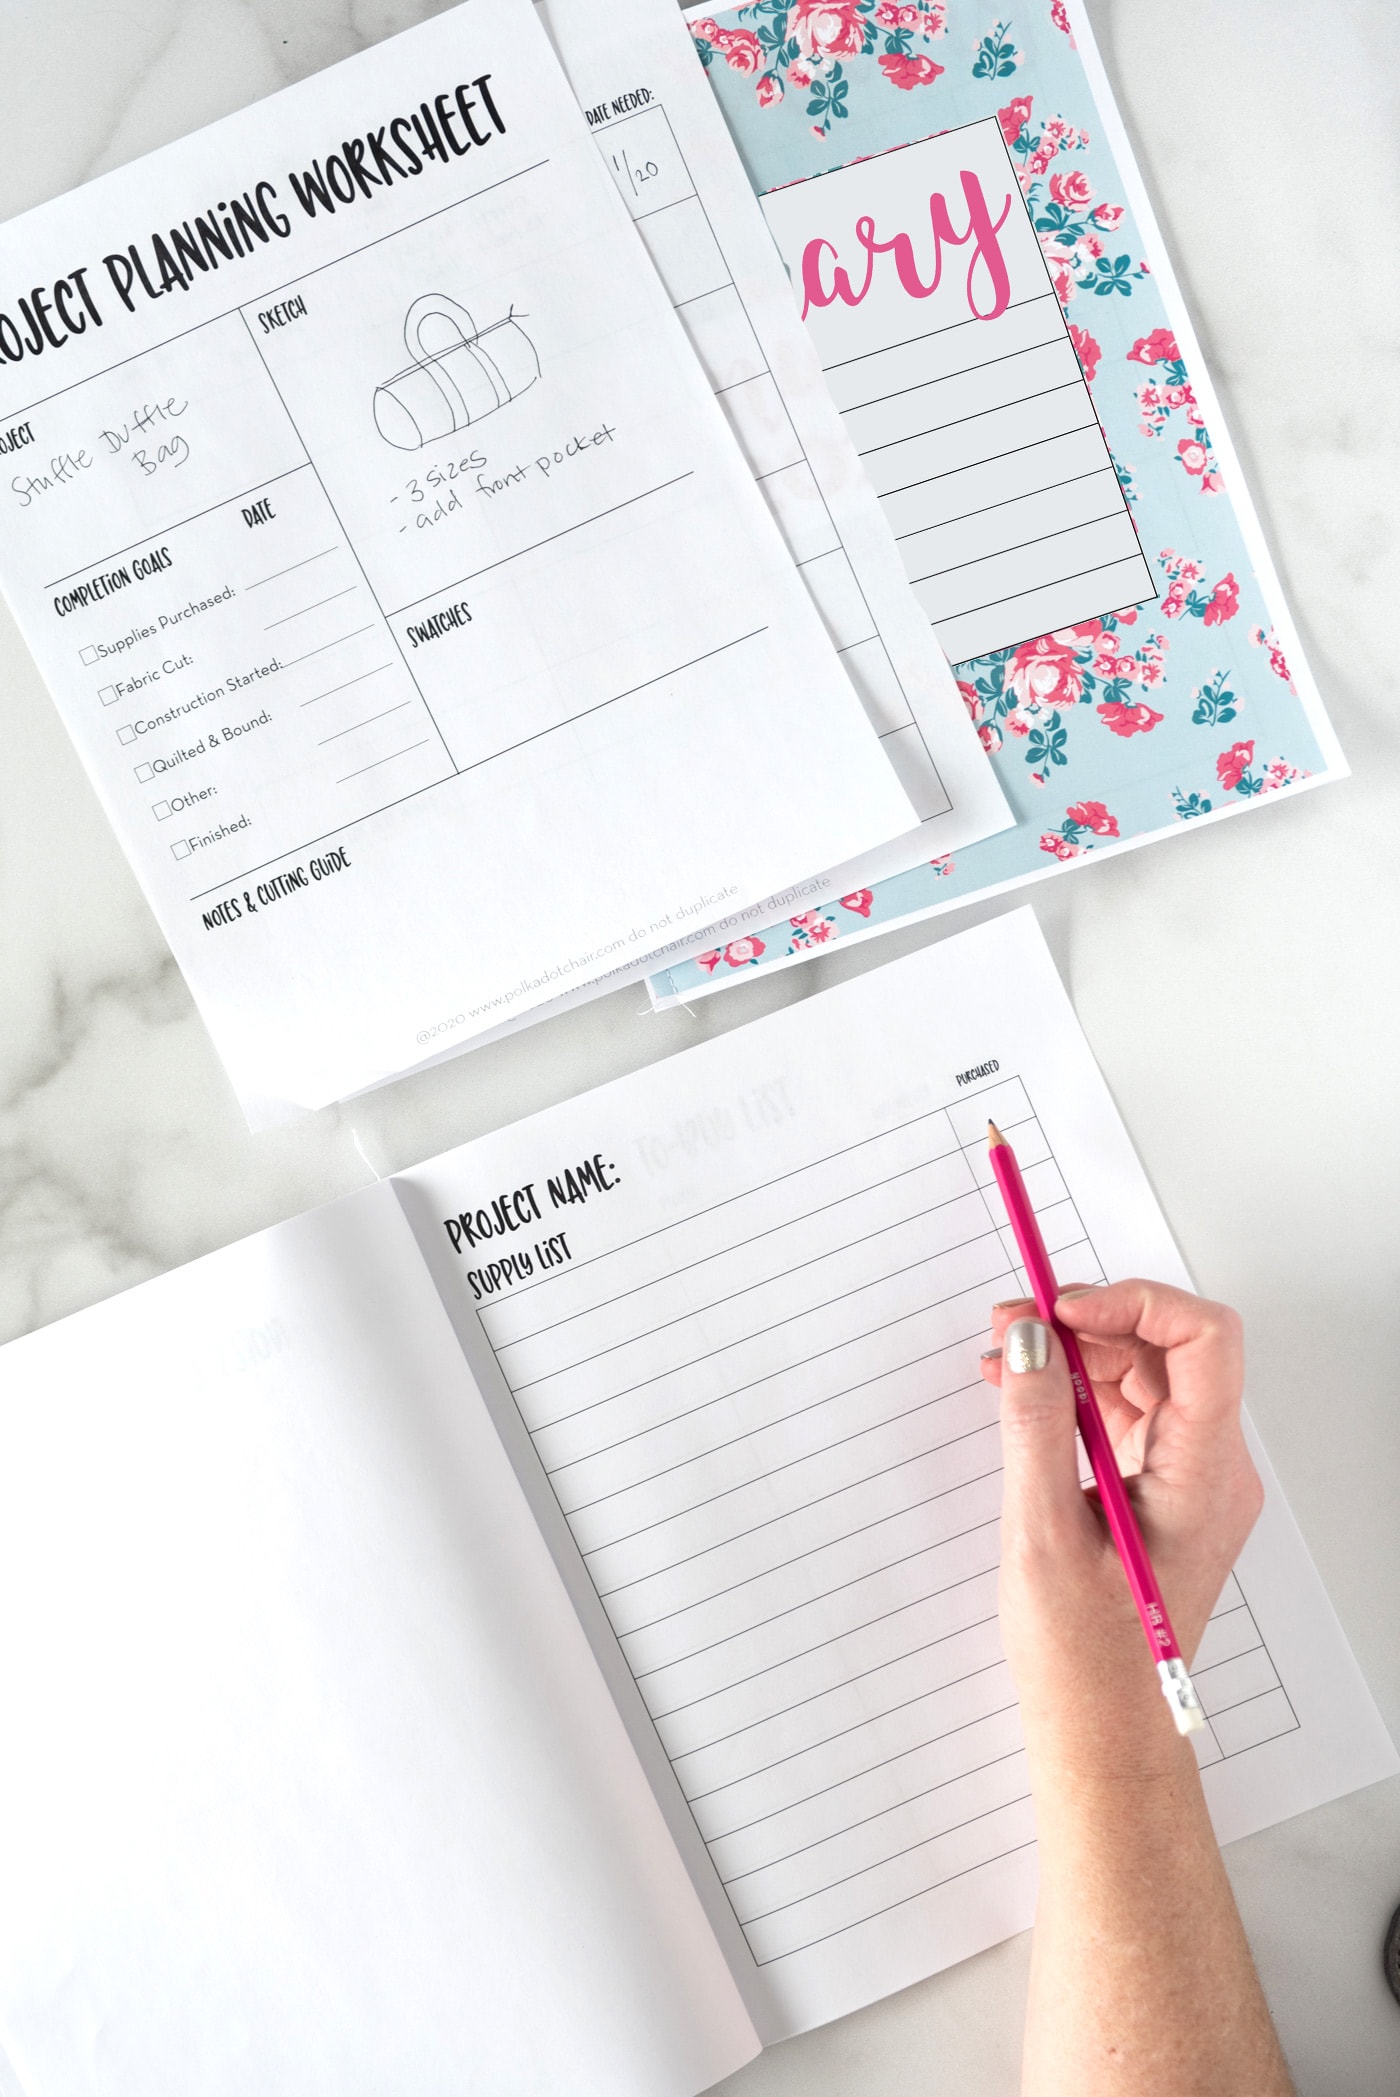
1126 721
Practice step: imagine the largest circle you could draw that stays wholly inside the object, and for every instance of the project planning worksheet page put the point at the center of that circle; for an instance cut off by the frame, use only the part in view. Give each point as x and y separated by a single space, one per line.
397 574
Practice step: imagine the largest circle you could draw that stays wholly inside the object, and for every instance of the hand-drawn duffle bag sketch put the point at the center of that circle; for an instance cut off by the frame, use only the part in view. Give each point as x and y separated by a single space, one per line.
459 374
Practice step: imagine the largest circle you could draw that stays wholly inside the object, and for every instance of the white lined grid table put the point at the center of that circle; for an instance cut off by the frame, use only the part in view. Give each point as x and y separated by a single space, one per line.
654 179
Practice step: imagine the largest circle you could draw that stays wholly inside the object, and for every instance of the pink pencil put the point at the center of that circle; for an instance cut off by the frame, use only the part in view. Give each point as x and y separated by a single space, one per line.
1118 1508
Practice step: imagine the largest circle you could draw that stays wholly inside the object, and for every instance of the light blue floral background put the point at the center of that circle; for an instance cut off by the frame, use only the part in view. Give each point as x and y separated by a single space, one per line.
1116 727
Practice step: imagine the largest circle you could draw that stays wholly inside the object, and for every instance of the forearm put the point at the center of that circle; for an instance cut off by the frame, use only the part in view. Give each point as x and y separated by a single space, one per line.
1141 1979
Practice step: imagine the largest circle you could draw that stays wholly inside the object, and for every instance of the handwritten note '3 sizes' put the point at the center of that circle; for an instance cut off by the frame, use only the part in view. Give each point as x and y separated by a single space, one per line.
920 277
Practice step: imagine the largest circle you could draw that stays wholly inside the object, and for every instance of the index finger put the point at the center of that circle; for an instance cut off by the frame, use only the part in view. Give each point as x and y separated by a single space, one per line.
1204 1341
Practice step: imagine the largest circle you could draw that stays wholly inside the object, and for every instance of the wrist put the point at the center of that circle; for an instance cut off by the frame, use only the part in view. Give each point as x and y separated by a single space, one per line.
1098 1751
1099 1716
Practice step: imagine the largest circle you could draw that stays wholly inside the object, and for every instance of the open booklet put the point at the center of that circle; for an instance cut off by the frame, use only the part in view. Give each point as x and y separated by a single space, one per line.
534 1621
419 620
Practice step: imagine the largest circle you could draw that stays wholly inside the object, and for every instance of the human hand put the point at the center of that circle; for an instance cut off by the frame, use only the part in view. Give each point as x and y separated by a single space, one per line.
1167 1368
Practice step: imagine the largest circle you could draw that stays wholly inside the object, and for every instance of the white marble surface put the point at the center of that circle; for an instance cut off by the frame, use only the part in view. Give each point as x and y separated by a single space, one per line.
1241 987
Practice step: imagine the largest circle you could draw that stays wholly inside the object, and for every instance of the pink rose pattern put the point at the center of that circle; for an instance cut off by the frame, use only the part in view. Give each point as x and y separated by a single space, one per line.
1073 709
814 928
1076 229
739 953
902 71
810 44
1265 637
1028 693
1087 351
1169 393
1085 820
818 928
1184 600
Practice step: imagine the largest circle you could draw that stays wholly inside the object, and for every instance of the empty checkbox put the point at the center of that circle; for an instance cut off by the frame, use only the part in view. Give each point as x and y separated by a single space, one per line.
145 773
180 849
87 655
126 735
107 693
160 810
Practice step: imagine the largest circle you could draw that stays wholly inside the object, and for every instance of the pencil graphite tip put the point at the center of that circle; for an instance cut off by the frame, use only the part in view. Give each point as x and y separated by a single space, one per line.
994 1135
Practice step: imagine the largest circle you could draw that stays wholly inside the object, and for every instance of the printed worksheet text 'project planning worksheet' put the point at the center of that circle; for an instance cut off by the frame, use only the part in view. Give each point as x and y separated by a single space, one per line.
395 570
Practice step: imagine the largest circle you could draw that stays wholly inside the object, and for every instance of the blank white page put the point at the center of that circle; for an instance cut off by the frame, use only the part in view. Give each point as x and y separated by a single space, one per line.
309 1786
735 1356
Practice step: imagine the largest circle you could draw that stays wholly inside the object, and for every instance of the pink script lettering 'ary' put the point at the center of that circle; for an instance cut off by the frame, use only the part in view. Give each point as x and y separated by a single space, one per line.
981 229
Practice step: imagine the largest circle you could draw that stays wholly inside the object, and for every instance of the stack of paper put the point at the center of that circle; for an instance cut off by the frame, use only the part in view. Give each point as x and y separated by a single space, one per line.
430 639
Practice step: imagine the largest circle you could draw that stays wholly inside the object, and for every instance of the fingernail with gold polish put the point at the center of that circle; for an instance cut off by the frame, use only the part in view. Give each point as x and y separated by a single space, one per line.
993 1354
1026 1348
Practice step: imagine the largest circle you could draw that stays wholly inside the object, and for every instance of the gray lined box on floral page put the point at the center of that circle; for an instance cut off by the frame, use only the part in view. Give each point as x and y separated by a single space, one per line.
923 282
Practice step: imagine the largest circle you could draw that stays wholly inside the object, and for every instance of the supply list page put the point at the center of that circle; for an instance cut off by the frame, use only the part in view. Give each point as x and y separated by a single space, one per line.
394 569
728 1313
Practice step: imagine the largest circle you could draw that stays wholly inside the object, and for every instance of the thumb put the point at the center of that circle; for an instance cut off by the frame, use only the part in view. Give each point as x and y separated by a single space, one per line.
1043 1501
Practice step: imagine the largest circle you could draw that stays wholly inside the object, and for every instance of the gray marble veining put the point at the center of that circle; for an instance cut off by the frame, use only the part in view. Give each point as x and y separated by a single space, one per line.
1242 987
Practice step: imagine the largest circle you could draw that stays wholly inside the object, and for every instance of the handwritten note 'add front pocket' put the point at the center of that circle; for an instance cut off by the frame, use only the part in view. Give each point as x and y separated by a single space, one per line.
921 279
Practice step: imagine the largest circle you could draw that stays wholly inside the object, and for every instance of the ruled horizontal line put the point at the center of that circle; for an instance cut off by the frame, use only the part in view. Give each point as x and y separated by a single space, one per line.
774 1470
731 1244
785 1564
278 573
855 1776
337 643
819 1500
808 1601
330 694
969 1193
406 752
287 617
785 1369
833 1688
936 429
539 544
924 1842
1059 531
843 363
368 722
1098 568
920 1892
945 378
777 1420
780 1179
694 1798
992 459
1022 495
797 1653
899 1806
